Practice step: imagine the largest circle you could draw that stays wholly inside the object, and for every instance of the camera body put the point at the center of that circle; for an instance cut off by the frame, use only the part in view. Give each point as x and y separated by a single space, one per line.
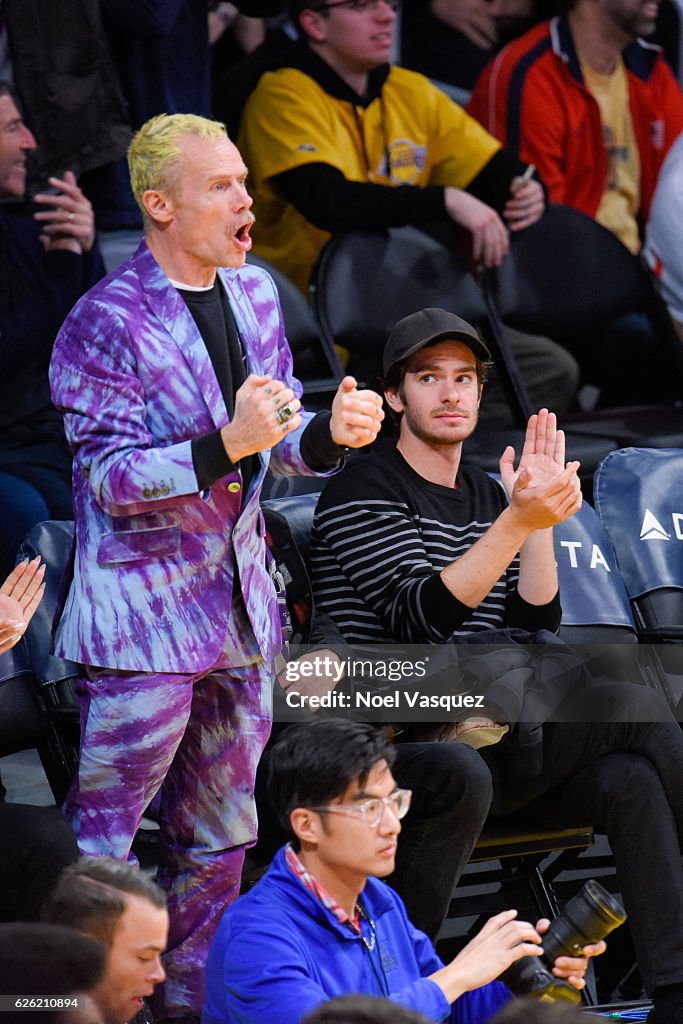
587 918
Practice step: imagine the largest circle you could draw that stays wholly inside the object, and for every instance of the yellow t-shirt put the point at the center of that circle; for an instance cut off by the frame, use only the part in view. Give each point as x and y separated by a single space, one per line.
620 201
412 135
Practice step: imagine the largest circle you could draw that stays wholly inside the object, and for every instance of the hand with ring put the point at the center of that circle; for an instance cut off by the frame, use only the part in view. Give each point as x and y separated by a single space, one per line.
266 410
284 413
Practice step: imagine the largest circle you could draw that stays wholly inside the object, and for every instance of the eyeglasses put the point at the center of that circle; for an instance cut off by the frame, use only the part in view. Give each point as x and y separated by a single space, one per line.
372 810
358 5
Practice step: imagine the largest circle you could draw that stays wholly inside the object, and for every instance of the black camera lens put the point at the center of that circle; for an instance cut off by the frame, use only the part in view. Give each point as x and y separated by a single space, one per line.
587 918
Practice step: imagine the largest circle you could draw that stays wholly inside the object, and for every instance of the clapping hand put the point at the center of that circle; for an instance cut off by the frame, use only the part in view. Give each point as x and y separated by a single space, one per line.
20 595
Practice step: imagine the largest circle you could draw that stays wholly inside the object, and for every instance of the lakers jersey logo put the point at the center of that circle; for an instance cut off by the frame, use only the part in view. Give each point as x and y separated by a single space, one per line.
406 162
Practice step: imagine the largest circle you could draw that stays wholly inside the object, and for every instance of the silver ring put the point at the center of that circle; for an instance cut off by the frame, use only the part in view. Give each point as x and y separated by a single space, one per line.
283 414
71 216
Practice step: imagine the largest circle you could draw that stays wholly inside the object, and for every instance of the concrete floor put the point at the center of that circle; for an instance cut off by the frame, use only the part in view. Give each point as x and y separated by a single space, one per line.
23 776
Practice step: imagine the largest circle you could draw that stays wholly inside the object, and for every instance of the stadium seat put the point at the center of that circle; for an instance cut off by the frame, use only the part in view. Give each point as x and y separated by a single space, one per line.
595 605
639 498
567 275
316 363
52 678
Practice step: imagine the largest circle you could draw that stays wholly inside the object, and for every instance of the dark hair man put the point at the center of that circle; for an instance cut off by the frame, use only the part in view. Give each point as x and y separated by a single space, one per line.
410 546
321 925
176 382
48 960
596 109
592 105
531 1011
120 906
363 1010
337 139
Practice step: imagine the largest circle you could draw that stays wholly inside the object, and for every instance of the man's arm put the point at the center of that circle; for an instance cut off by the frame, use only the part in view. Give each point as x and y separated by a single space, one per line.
268 973
501 942
64 267
333 203
112 416
543 492
525 127
296 151
371 534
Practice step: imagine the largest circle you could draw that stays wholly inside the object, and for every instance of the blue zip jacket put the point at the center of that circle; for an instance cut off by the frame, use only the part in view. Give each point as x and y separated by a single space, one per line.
278 953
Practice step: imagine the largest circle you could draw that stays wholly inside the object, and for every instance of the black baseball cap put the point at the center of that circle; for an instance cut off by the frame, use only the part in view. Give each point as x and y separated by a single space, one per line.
415 331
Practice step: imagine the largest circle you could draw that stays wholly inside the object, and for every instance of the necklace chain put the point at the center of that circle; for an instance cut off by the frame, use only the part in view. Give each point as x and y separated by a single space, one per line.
372 941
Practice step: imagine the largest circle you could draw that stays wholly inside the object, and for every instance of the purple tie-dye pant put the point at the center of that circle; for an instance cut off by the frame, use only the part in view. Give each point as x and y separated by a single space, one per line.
199 738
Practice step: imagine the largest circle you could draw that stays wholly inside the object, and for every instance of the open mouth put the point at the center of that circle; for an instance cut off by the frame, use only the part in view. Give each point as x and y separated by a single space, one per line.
242 238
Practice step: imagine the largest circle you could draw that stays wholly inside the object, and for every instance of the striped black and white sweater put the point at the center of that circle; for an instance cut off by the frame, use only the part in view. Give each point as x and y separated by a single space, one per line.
381 536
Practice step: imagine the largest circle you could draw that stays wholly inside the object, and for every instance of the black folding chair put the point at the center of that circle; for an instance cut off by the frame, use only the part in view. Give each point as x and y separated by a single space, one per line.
52 679
316 363
567 275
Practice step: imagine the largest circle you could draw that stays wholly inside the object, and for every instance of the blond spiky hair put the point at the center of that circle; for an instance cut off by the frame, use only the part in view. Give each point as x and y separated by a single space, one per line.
154 151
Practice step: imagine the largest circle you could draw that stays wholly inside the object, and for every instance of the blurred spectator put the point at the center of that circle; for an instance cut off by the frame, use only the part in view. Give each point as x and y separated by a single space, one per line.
591 105
120 906
45 265
453 40
160 49
531 1011
363 1010
231 34
336 139
664 237
232 90
595 108
58 59
36 843
50 961
233 37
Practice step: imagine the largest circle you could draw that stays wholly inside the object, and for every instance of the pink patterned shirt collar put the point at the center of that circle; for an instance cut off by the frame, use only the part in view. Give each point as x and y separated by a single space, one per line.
311 883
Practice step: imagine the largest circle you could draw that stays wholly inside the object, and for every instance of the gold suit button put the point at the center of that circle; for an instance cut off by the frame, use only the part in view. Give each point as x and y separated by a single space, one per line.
234 487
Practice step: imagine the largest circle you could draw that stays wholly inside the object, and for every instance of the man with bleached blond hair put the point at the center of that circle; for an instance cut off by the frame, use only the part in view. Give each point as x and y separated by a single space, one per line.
176 383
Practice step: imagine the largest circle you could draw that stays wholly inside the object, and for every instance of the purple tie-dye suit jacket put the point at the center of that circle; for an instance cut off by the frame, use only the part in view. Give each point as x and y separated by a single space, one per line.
154 557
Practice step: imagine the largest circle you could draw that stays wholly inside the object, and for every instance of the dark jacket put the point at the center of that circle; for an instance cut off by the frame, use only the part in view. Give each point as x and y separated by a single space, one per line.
37 291
66 85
